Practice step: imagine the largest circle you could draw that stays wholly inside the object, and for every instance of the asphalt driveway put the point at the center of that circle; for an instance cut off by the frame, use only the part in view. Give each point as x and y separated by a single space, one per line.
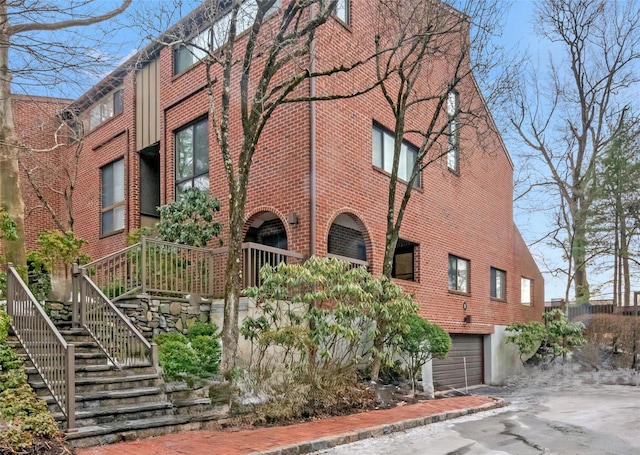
563 415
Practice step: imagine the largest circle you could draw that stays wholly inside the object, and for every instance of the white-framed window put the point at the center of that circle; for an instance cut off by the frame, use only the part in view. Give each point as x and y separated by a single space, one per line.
458 274
192 156
343 12
108 106
498 284
112 189
453 137
382 154
215 36
526 291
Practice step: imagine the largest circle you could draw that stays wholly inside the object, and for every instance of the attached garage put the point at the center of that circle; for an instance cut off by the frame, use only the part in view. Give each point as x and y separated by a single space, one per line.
450 373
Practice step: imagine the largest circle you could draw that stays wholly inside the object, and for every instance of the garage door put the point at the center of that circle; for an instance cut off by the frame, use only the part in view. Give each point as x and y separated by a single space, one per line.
450 373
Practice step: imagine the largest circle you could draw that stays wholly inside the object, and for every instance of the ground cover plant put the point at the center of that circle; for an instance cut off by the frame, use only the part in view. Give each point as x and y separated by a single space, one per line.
26 425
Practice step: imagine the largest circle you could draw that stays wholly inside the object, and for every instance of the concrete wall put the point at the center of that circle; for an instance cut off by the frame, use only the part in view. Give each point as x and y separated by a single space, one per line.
501 360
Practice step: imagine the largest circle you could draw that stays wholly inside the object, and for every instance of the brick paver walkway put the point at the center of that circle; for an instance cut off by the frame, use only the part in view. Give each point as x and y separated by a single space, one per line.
243 442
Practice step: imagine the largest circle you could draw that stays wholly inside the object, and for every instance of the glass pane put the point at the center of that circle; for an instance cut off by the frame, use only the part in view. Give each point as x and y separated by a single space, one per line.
184 153
107 186
201 144
118 102
403 172
95 117
462 275
199 46
107 109
118 181
181 187
107 222
452 273
182 59
388 152
376 147
342 10
118 218
220 32
201 182
525 290
246 16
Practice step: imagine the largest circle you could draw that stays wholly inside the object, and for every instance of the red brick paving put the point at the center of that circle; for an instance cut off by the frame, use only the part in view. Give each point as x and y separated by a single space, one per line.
243 442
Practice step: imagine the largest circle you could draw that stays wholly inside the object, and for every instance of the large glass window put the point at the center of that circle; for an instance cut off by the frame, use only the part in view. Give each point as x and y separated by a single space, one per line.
192 156
112 179
382 154
458 274
453 149
109 106
216 36
498 284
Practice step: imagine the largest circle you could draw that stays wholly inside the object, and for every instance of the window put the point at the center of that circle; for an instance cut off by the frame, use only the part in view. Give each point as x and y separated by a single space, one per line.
382 154
342 11
112 177
526 286
404 260
214 37
498 283
109 106
192 157
458 274
452 133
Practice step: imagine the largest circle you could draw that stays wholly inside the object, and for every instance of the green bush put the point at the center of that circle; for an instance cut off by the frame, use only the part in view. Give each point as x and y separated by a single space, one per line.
196 355
421 343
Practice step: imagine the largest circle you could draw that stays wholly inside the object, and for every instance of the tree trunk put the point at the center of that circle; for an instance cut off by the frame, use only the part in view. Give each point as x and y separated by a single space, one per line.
580 256
233 283
10 194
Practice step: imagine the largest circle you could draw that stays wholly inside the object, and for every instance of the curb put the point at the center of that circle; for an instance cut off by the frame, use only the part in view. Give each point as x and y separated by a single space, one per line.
377 431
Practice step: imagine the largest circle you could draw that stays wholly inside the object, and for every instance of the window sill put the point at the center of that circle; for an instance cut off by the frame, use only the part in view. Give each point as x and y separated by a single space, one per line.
399 180
454 292
498 300
111 234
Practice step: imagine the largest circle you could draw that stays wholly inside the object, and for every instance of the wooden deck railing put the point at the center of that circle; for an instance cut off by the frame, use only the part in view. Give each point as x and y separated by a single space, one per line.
354 262
116 335
51 355
161 268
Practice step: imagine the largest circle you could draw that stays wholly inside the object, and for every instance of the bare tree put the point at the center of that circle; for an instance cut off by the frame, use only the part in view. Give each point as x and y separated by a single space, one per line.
428 82
256 54
20 21
568 120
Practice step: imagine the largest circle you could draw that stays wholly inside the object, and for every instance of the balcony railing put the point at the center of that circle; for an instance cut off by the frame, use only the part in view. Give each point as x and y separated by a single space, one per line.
354 262
161 268
51 355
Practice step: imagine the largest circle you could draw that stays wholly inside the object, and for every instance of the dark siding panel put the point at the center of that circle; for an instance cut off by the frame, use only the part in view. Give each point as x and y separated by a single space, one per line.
449 373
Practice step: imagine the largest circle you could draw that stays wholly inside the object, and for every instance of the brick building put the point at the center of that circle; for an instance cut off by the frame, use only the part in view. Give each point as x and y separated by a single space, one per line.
319 186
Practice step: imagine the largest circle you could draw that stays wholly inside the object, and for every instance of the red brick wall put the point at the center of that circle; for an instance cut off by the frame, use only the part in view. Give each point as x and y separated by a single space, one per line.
468 214
36 124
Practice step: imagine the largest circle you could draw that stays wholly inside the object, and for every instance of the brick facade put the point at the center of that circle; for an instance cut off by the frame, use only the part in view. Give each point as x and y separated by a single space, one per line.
467 214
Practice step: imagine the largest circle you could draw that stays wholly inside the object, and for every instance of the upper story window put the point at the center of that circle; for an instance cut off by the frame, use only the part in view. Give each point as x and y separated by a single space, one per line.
453 148
112 210
187 55
458 274
498 284
342 11
382 154
526 289
108 106
192 156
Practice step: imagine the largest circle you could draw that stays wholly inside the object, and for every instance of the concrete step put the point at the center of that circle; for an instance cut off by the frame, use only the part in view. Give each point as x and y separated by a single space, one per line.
129 412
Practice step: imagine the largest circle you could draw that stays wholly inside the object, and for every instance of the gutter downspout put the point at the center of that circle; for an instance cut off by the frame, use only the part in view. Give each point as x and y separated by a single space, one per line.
313 196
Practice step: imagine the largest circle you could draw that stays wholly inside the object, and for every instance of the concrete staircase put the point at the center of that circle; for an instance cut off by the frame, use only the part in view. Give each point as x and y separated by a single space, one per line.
115 404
